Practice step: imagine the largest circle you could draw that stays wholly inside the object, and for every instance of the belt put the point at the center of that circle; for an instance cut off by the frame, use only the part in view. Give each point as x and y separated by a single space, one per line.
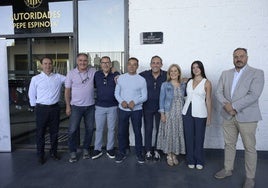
46 105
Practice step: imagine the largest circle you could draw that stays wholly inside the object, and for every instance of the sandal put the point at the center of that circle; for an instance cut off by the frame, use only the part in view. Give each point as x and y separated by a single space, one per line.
170 160
175 160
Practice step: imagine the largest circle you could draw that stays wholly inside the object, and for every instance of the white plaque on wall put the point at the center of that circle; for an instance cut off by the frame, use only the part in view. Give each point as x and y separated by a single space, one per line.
5 140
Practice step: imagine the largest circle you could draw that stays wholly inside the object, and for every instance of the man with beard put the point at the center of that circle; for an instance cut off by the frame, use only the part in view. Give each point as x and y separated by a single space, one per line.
238 92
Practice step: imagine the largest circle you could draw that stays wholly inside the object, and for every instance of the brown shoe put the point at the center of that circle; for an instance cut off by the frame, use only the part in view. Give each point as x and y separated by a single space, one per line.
223 174
249 183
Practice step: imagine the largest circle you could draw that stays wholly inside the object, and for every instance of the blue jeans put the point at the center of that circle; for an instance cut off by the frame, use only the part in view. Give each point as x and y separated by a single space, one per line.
123 130
194 134
77 112
149 118
105 115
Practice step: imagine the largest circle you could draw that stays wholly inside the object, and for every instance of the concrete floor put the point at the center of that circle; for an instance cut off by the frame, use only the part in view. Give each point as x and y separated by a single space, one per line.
20 169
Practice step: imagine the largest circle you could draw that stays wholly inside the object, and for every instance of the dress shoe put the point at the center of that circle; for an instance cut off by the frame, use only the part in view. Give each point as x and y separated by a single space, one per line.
41 160
223 174
249 183
54 157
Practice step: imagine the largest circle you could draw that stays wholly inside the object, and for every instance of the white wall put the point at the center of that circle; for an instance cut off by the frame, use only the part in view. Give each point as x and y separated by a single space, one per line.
5 140
209 31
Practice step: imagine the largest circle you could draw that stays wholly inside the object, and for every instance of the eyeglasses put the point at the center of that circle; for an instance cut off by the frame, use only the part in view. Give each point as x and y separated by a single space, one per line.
85 80
105 81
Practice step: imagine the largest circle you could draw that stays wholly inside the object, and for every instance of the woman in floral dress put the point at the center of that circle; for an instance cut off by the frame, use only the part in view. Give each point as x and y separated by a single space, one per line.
171 136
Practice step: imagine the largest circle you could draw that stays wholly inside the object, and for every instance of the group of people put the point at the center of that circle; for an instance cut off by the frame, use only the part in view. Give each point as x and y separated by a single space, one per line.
179 109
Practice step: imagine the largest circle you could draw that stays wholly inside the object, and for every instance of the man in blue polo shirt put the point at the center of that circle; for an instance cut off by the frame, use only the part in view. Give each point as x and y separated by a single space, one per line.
154 79
106 107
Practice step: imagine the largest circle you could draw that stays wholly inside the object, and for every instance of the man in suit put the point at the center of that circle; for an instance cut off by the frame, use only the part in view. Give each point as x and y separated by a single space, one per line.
238 92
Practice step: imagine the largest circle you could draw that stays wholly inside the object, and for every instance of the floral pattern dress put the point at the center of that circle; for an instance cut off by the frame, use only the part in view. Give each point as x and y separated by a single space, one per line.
170 135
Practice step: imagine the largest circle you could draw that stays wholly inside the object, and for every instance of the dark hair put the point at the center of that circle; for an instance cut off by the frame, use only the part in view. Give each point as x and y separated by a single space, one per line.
105 57
42 59
82 54
156 56
200 66
244 49
135 59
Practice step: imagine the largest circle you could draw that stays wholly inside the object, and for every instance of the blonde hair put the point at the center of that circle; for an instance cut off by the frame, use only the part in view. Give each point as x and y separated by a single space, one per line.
179 70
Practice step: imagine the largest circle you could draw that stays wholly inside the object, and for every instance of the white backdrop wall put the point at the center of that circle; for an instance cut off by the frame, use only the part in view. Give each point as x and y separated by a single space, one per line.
209 31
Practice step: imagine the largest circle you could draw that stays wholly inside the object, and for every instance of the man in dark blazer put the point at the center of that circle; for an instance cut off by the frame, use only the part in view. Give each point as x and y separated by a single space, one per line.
238 91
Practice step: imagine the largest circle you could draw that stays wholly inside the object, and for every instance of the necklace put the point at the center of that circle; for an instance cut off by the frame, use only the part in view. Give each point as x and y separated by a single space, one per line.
83 80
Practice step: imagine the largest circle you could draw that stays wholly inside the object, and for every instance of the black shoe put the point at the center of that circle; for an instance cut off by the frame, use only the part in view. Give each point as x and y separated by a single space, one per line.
86 154
41 160
111 154
96 154
141 159
54 157
73 157
157 156
119 158
149 156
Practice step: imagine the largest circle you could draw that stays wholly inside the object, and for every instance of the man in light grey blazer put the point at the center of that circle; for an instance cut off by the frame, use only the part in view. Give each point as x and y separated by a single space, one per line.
238 91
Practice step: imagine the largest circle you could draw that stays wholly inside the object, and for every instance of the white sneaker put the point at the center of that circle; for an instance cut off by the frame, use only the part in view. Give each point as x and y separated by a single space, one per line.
148 156
157 156
191 166
199 167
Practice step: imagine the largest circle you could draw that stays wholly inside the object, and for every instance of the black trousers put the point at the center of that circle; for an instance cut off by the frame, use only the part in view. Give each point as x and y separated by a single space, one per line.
149 118
47 116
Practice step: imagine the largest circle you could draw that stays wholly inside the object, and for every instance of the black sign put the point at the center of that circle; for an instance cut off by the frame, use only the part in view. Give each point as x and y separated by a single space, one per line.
31 16
152 37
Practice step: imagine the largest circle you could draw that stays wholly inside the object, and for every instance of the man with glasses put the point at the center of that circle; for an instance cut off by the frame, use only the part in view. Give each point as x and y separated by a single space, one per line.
154 79
79 97
106 107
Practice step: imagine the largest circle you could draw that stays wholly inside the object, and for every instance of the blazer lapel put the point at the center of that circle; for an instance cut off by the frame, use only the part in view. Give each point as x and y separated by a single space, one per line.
230 82
241 79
